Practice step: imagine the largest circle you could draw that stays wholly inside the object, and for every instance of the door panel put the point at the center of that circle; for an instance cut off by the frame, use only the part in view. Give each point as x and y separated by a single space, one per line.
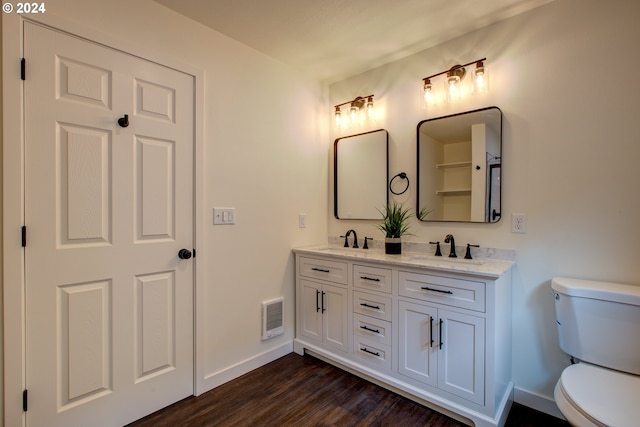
311 316
155 197
109 332
335 324
83 193
418 343
85 363
461 359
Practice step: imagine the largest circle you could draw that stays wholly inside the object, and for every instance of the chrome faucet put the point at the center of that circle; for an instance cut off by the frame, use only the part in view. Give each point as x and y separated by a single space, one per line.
449 239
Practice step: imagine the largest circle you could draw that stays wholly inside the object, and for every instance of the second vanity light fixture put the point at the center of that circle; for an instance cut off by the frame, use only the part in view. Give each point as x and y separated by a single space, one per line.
360 109
453 89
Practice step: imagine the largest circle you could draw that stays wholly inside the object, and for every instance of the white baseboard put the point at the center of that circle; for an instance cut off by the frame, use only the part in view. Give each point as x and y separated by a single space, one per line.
218 378
537 402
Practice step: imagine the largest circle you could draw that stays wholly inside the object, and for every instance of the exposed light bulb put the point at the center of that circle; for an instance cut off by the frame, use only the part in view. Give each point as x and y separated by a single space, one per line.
453 87
370 110
338 115
429 96
353 112
481 82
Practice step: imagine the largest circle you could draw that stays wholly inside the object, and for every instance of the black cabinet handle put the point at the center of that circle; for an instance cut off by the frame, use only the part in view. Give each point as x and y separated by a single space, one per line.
441 321
320 270
373 279
366 328
431 330
366 350
375 307
323 294
317 301
425 288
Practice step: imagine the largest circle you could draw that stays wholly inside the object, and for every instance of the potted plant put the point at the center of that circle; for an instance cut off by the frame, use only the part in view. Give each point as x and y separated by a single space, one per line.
395 224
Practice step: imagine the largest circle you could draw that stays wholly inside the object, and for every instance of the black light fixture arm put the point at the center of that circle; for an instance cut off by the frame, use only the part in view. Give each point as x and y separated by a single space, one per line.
455 67
361 99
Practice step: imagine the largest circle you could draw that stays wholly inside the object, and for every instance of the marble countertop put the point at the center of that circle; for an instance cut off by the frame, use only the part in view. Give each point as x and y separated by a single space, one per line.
486 267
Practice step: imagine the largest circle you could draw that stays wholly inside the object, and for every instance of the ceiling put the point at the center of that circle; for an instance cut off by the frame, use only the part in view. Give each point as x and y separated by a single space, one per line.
330 40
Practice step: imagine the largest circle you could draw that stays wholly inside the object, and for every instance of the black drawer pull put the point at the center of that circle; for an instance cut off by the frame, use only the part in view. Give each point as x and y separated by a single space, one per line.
375 307
373 279
366 328
436 290
366 350
321 270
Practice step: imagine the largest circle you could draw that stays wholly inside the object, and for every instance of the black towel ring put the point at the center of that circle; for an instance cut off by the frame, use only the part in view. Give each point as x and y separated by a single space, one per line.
401 175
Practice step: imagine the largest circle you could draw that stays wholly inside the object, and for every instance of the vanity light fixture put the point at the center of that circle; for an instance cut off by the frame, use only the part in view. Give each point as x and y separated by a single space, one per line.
360 108
454 89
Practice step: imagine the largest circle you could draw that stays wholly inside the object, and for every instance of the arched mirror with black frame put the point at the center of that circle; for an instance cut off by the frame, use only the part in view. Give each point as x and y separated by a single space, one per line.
460 166
361 175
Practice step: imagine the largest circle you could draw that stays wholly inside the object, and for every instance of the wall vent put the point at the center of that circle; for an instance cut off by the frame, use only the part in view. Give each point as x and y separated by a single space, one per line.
272 318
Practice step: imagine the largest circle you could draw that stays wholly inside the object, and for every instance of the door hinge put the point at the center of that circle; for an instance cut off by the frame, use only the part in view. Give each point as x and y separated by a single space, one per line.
24 400
23 69
24 236
194 253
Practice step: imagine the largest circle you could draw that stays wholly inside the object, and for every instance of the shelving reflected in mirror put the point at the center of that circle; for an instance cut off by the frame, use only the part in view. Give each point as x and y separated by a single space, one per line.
459 166
361 174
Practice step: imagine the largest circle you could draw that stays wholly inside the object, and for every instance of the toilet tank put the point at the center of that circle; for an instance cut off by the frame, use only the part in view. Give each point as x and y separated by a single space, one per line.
599 322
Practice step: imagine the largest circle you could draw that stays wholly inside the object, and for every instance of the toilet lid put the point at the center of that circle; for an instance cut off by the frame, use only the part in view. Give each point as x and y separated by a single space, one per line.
610 397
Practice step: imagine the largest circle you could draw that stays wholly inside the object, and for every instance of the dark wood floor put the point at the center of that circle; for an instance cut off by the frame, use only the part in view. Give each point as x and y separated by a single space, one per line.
304 391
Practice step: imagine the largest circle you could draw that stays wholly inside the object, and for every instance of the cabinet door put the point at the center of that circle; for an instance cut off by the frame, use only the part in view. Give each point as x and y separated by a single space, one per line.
461 357
310 309
418 344
334 301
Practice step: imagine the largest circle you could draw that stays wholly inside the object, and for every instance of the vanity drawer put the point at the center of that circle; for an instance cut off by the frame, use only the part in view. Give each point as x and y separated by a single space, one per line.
372 353
372 328
374 278
372 305
443 290
324 269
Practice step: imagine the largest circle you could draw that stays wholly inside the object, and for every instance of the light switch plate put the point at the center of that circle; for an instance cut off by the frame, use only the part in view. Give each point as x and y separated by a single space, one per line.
224 216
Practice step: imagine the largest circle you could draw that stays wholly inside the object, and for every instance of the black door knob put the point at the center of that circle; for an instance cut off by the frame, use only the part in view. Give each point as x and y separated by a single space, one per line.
124 121
184 254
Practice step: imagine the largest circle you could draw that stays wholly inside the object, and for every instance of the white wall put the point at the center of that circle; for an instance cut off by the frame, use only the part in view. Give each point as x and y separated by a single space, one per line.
565 77
264 148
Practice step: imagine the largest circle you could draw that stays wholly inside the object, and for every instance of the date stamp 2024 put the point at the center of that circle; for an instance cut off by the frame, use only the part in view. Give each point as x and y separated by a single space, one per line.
24 8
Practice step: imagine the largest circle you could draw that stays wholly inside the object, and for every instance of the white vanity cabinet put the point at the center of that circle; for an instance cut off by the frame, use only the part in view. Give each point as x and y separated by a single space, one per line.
436 330
442 348
323 302
438 346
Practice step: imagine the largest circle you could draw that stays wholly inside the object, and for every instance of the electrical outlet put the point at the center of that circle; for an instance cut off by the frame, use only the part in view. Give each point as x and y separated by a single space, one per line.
302 220
518 223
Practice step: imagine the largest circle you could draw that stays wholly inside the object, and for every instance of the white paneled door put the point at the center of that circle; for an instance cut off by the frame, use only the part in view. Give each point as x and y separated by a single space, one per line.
108 206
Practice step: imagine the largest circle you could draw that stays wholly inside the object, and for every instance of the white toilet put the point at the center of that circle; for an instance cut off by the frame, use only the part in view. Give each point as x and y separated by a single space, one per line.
599 326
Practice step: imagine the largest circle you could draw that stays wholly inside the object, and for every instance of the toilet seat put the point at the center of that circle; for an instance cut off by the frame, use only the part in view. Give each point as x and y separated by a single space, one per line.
589 395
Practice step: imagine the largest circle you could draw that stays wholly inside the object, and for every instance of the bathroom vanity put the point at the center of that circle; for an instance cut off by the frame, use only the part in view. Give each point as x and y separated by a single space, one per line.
434 329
